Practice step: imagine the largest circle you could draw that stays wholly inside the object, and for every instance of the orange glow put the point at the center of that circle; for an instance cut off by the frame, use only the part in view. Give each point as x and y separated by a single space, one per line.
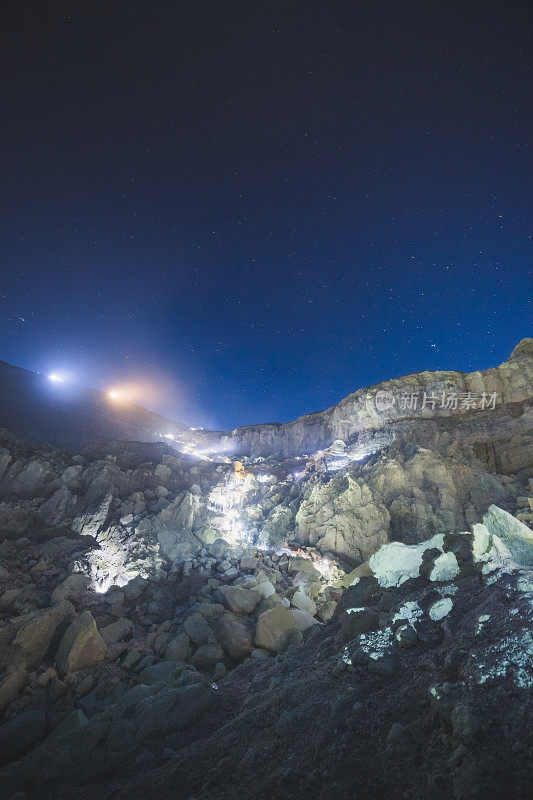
139 393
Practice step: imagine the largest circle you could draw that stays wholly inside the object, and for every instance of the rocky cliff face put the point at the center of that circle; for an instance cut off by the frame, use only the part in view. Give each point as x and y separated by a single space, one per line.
511 382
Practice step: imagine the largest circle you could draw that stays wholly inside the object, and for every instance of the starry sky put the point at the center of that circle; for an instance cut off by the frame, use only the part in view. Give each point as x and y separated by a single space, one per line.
257 208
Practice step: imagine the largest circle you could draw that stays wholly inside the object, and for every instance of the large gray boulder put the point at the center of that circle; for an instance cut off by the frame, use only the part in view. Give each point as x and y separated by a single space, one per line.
81 645
116 631
198 630
277 629
235 633
177 648
58 511
36 632
71 588
207 656
241 601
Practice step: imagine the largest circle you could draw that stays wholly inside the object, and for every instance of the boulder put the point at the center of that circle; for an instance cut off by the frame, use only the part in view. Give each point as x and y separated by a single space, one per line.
327 610
81 645
164 672
171 709
8 598
207 656
219 548
116 631
302 601
241 601
516 537
11 684
177 648
37 632
307 583
266 588
58 511
304 620
249 563
72 587
299 564
235 633
277 629
198 630
134 588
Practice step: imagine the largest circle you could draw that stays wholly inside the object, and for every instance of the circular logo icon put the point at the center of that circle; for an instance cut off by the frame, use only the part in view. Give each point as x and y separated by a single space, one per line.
384 400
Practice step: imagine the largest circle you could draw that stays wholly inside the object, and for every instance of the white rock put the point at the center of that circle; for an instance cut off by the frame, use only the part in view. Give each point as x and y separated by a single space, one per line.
440 609
515 536
302 601
395 563
445 568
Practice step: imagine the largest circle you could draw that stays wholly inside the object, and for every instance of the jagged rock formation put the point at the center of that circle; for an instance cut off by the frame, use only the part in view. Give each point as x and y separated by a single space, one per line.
408 480
163 605
511 382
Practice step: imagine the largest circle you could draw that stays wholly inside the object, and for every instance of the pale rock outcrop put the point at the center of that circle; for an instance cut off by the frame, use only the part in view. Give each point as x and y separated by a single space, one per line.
515 536
342 516
81 645
35 632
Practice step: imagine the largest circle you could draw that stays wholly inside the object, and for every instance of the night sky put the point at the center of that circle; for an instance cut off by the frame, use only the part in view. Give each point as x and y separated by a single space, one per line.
260 207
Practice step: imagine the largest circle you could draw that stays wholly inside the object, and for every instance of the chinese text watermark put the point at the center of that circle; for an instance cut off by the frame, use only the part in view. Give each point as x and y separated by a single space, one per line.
446 401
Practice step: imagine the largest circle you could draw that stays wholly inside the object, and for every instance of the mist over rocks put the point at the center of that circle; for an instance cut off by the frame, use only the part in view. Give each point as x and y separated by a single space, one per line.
177 619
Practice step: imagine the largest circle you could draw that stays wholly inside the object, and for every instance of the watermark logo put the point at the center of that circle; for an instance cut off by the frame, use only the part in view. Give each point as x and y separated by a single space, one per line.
445 401
384 400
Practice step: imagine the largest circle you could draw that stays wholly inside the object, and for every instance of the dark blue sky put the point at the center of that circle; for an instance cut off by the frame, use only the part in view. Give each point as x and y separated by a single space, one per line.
262 207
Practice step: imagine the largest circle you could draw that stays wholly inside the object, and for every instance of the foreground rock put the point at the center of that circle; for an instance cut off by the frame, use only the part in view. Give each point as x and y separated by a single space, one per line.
81 645
277 630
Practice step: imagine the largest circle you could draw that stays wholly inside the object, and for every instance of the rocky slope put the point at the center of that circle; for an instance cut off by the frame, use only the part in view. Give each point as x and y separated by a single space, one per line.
71 416
185 619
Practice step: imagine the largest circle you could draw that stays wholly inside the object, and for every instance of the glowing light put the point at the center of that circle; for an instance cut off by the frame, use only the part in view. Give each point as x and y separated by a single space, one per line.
226 503
330 572
55 378
140 393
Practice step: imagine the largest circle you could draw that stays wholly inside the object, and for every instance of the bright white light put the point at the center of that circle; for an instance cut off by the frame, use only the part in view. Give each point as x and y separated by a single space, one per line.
114 395
226 503
169 436
55 378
